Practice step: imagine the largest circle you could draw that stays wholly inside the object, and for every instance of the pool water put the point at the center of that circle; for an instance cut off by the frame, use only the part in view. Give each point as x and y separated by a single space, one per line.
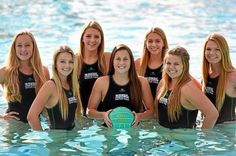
55 22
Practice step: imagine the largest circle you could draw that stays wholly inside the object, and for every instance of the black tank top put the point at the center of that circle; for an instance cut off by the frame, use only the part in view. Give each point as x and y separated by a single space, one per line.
55 117
27 91
186 119
88 76
116 96
153 76
227 112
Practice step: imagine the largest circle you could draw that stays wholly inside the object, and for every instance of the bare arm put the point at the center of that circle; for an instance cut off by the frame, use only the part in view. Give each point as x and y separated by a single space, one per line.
39 103
196 97
98 92
147 100
137 65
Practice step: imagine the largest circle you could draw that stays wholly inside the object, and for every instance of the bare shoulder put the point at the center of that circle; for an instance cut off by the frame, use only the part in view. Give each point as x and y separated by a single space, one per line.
46 72
107 55
101 81
190 89
137 62
232 77
143 80
3 74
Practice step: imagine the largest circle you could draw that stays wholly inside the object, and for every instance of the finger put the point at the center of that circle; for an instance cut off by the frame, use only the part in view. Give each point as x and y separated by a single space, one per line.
13 113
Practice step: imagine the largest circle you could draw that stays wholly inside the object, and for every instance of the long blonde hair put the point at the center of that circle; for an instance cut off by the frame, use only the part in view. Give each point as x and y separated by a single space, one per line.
225 64
174 103
146 54
72 80
101 58
11 87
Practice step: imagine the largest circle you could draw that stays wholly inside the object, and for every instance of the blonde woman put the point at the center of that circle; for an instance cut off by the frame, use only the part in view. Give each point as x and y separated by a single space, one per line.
178 97
93 62
219 76
60 95
150 64
22 76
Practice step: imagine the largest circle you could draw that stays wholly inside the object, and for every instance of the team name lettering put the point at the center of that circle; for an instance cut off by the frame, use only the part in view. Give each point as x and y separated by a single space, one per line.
72 100
163 100
153 80
122 97
210 90
90 75
29 85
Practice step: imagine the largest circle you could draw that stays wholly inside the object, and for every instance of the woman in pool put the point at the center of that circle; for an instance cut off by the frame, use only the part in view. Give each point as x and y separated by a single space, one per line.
219 76
122 87
60 95
178 97
23 76
150 64
93 62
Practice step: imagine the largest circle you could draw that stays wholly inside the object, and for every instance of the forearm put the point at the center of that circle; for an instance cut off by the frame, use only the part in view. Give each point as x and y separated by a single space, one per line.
35 124
209 121
94 114
148 114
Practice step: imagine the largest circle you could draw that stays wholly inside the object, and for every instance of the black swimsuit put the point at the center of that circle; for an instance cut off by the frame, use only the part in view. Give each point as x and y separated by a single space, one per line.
27 91
55 117
227 112
88 76
153 76
116 96
186 119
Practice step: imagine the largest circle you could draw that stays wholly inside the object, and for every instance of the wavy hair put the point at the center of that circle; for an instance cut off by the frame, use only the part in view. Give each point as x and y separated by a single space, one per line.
174 103
146 54
72 80
11 87
226 66
135 84
101 58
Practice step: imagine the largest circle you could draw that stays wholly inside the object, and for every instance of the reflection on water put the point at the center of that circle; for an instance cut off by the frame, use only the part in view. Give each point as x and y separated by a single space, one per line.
92 139
56 22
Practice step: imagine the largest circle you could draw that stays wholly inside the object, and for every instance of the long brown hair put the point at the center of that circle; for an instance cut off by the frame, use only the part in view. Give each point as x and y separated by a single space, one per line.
135 84
146 54
72 80
11 87
226 66
174 104
101 58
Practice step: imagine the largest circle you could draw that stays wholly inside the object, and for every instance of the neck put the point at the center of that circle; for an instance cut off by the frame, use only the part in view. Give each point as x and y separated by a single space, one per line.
214 70
121 79
155 60
90 57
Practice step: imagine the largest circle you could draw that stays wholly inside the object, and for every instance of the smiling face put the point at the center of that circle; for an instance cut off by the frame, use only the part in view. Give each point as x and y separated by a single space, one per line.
92 39
154 43
24 47
212 52
64 64
122 61
173 66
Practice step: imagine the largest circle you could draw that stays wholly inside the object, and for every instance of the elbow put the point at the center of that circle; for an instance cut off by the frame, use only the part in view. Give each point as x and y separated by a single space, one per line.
30 117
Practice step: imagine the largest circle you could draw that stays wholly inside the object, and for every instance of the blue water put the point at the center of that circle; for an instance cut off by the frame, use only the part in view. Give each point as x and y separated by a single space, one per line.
55 22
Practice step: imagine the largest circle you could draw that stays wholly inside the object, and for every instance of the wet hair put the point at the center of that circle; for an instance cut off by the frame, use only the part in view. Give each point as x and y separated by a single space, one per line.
226 66
101 58
11 87
174 103
135 84
72 80
146 54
